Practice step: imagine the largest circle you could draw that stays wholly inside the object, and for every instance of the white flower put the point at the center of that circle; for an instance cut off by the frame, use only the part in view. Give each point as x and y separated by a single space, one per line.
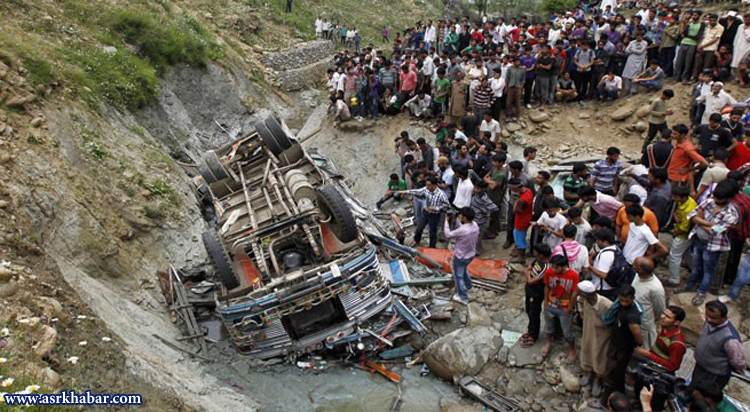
3 360
82 317
82 343
106 339
4 332
73 359
23 392
33 388
7 382
53 320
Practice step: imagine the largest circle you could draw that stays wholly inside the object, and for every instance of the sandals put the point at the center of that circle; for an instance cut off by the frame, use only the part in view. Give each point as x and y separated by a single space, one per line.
698 299
527 341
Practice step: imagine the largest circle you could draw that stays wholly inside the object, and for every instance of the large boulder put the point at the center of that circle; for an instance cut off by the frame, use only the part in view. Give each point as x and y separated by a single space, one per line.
513 127
643 111
622 112
477 316
521 357
695 316
463 351
538 117
46 338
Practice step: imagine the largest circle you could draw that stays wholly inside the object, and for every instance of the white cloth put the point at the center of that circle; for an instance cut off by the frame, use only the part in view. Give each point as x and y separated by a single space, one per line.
638 190
493 127
556 224
464 191
603 263
582 230
429 35
636 63
741 44
497 85
639 239
714 104
611 3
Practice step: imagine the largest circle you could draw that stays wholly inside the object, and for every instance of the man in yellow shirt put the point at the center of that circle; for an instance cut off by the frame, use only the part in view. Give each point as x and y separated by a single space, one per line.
680 242
622 223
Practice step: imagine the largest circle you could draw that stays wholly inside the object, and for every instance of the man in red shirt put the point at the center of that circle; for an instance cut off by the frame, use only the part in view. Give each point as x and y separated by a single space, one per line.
741 153
560 292
522 210
408 81
668 350
682 166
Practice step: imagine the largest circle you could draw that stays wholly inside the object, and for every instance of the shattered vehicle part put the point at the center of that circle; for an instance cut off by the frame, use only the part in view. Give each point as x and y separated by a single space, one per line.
471 386
296 273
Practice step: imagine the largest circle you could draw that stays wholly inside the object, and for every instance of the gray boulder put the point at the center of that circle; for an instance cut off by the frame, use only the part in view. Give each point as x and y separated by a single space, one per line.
463 352
622 113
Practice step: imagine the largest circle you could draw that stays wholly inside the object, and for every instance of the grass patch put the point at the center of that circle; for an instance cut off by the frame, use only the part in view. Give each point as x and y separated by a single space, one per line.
40 71
161 189
155 212
165 43
94 147
120 77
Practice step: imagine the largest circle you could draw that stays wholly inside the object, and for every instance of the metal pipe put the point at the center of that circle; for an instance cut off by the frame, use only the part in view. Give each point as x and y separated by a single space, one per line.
265 173
250 211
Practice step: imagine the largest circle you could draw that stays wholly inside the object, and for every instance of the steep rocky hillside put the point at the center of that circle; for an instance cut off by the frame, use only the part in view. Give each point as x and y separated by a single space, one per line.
97 100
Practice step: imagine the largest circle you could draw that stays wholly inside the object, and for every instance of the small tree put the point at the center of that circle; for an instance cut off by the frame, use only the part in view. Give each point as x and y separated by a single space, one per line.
558 6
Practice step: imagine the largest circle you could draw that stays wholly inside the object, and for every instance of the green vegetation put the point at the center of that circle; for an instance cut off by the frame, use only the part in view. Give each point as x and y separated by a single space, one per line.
120 77
558 6
94 146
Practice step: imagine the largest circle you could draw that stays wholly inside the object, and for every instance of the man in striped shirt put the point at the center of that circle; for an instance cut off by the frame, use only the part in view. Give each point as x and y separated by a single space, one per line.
483 98
434 203
604 176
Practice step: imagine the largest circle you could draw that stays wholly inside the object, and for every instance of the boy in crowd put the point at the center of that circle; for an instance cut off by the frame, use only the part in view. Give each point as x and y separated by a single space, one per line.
680 241
394 184
522 210
583 228
560 293
535 292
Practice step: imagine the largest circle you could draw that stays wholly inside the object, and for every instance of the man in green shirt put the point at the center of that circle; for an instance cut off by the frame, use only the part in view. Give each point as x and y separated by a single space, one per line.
574 182
441 87
691 31
395 184
497 187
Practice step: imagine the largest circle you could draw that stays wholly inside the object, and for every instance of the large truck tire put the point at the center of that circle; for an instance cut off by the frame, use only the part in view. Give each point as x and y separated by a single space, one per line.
215 165
268 139
342 222
220 259
282 139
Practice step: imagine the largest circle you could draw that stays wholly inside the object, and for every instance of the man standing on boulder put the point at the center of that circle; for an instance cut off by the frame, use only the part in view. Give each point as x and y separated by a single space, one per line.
464 251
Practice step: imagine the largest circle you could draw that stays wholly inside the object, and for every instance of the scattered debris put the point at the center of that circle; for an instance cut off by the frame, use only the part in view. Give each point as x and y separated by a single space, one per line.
471 386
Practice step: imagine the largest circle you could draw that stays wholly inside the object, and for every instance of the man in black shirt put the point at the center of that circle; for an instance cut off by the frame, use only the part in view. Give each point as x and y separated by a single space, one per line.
734 125
428 155
712 135
483 159
658 154
626 336
544 68
469 124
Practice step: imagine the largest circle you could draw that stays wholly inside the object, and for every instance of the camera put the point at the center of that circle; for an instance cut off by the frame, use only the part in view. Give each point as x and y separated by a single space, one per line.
650 373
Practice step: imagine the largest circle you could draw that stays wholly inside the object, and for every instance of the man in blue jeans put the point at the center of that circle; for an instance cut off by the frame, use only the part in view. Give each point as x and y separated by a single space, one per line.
742 280
712 220
464 251
434 203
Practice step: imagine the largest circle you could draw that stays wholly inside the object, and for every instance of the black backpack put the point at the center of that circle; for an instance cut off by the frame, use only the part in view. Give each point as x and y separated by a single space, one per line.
621 273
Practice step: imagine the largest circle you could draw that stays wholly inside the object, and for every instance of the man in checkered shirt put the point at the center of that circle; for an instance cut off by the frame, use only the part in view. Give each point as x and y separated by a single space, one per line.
434 203
712 220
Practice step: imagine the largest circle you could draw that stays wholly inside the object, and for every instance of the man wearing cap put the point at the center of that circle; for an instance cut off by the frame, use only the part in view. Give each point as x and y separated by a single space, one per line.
596 336
715 101
731 24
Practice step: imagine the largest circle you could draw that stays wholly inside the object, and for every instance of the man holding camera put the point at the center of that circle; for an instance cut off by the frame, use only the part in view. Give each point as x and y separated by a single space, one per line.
667 351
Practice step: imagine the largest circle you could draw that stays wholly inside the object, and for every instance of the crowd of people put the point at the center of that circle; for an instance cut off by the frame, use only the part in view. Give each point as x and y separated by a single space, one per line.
594 245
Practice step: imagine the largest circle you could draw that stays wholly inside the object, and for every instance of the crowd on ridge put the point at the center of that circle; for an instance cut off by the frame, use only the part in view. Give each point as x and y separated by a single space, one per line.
590 248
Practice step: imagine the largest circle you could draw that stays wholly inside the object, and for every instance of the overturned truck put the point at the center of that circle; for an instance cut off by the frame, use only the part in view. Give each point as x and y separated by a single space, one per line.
296 272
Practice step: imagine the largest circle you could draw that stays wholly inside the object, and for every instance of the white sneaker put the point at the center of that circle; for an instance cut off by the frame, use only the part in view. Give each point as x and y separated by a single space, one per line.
725 299
458 299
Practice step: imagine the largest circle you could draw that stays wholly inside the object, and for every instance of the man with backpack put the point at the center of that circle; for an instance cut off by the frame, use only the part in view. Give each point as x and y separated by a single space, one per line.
658 154
610 269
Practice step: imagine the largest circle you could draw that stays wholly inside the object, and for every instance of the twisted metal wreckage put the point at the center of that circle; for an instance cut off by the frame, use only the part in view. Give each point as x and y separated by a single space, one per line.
299 265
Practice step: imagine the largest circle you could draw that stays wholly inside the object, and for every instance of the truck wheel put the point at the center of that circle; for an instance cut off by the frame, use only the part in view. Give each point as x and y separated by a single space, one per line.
290 155
277 131
215 165
268 139
342 221
220 260
206 173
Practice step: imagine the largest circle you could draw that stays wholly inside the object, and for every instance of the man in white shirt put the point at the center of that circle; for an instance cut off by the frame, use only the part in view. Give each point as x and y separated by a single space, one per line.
715 101
609 86
551 222
429 35
464 188
603 262
490 126
338 80
497 84
420 105
641 240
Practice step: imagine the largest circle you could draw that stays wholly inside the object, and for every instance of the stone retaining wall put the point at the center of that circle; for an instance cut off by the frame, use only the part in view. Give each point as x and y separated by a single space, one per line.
303 77
299 56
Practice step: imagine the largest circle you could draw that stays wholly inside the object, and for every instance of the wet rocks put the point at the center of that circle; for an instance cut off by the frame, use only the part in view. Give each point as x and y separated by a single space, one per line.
463 351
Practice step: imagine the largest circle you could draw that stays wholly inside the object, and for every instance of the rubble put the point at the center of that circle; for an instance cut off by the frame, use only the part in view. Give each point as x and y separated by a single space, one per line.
463 351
